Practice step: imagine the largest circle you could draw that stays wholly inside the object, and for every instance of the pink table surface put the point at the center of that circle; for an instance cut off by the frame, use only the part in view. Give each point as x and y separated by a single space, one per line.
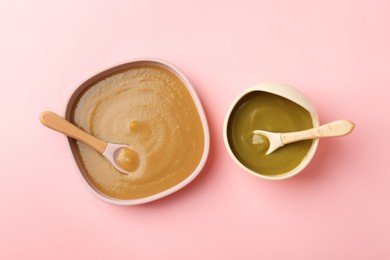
337 52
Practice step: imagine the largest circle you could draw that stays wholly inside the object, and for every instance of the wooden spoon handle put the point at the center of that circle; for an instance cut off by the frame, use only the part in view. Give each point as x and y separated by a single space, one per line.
59 124
335 128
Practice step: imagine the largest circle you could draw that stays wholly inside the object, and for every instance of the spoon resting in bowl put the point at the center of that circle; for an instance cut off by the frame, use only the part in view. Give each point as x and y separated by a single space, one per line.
277 140
121 156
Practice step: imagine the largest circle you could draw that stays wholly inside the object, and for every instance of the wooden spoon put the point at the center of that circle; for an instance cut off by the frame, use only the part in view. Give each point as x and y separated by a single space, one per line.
112 152
277 140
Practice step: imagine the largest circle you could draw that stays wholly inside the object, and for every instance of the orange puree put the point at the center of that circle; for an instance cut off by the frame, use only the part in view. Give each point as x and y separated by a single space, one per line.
150 109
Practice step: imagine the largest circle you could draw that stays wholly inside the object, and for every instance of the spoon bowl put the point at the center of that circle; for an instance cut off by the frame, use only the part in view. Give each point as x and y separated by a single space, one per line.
109 150
277 140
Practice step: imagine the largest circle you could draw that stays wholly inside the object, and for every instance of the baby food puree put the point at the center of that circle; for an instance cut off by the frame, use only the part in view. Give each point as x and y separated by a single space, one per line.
150 109
260 110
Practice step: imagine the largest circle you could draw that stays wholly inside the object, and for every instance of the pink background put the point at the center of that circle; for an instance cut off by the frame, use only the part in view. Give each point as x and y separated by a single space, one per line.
336 52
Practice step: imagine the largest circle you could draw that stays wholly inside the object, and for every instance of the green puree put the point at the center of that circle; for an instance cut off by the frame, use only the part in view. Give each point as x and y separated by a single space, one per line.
265 111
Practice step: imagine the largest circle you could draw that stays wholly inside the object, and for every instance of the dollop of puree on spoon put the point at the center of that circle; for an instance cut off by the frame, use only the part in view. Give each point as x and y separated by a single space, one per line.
127 159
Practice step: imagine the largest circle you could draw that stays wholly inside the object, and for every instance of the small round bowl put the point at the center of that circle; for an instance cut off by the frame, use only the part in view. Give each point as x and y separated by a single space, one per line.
110 71
287 92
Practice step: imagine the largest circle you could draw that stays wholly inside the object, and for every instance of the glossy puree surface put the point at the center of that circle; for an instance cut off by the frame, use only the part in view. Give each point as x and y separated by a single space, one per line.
265 111
150 109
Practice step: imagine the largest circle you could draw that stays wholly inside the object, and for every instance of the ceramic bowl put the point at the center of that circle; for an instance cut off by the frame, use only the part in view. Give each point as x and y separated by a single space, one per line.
287 92
110 71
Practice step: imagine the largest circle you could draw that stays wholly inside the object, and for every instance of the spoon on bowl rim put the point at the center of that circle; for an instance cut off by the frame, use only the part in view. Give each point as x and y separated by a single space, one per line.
114 153
277 140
